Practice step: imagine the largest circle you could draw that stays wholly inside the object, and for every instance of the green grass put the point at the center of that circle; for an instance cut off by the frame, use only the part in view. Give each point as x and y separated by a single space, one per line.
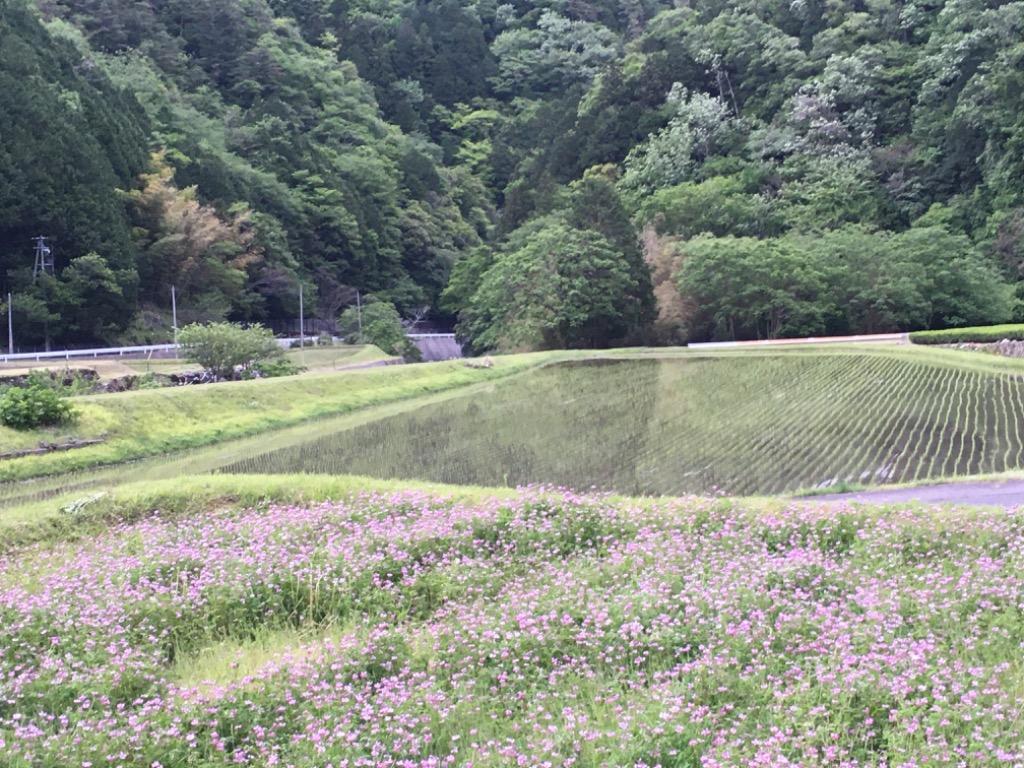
151 422
85 513
166 366
314 359
978 334
231 661
333 358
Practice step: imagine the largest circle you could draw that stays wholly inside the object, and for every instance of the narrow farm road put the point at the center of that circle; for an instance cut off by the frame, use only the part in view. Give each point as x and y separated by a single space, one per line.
1001 493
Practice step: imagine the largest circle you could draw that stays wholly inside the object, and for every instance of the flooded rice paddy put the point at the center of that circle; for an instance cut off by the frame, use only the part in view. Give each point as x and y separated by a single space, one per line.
751 425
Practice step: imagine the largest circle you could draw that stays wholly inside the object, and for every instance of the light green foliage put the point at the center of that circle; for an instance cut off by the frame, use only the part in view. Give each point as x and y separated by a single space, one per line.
574 279
558 54
227 349
699 124
965 287
721 205
985 334
877 286
848 280
272 369
748 288
829 191
33 407
377 323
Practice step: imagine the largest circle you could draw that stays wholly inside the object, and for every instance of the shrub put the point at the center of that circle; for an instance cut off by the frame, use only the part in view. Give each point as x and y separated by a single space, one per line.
32 407
224 349
381 326
272 369
984 334
66 383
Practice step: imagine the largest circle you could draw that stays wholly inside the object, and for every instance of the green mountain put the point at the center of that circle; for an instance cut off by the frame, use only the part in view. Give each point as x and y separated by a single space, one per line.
569 172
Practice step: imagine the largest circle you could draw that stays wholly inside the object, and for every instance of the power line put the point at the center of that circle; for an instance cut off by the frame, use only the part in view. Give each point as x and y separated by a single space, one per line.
44 257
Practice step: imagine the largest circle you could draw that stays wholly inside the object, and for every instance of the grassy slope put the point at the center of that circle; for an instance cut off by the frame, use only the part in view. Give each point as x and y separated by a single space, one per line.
51 521
314 360
149 422
48 521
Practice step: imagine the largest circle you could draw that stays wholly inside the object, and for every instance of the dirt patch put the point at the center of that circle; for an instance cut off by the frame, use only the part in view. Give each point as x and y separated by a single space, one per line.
104 369
50 448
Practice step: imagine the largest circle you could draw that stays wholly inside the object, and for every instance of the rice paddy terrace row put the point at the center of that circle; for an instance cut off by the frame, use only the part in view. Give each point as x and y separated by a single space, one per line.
745 424
662 423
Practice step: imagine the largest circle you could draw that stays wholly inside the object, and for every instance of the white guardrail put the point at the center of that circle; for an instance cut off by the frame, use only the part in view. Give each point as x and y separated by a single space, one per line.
70 354
74 354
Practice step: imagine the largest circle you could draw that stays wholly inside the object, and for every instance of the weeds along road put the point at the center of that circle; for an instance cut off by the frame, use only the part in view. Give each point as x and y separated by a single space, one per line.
1000 493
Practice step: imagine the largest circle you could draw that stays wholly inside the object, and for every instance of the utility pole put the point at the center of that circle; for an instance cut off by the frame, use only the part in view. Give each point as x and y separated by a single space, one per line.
10 324
359 314
302 327
174 318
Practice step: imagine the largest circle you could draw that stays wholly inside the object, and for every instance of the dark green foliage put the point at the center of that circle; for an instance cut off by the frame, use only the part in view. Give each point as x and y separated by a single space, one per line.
32 407
398 146
981 335
68 139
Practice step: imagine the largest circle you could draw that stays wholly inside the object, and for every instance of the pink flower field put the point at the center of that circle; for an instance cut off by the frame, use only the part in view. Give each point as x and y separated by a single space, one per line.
550 630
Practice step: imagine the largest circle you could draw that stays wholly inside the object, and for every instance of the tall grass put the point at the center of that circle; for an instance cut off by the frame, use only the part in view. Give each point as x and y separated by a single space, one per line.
151 422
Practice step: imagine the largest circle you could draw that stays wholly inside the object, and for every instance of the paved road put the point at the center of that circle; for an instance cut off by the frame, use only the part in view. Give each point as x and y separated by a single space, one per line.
1002 493
873 338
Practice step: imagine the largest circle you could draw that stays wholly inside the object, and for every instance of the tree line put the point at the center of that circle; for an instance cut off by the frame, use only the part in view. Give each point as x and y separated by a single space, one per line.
543 174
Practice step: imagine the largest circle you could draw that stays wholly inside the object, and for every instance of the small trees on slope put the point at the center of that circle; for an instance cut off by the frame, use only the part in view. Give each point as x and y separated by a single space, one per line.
225 348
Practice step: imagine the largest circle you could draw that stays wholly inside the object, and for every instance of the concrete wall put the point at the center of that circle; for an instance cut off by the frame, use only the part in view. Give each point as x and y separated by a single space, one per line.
437 346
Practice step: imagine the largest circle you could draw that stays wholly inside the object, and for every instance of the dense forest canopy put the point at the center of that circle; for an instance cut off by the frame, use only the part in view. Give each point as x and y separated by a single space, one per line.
559 173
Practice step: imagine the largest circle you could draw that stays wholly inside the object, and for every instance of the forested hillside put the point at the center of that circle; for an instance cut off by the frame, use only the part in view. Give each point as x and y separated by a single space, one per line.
559 173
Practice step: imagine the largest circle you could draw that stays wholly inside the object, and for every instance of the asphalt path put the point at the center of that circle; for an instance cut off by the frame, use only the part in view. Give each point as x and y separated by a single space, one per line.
1000 493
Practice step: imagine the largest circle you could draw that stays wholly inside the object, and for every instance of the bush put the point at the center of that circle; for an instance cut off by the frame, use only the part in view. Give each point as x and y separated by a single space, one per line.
225 349
381 326
32 407
272 369
985 334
